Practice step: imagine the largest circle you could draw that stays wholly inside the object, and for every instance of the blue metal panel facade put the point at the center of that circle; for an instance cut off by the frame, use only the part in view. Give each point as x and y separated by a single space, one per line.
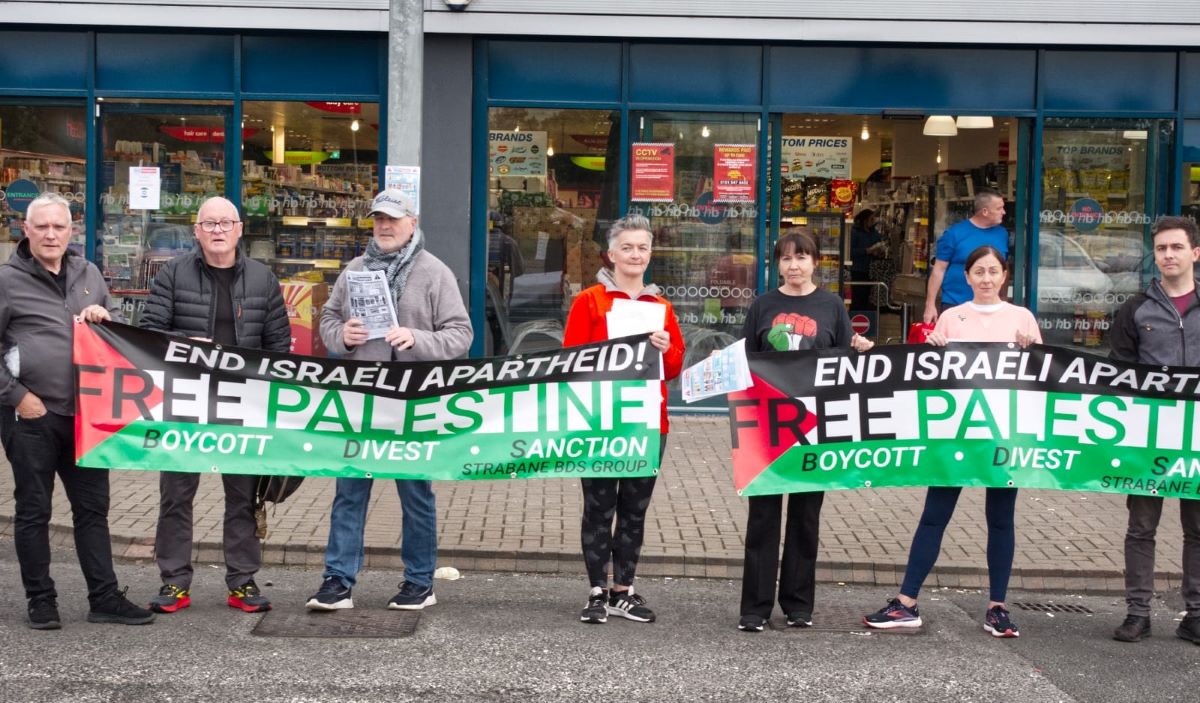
672 74
876 78
39 62
1109 81
337 65
186 63
554 71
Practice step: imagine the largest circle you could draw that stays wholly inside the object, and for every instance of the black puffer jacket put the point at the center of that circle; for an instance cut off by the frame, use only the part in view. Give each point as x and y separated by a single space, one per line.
182 302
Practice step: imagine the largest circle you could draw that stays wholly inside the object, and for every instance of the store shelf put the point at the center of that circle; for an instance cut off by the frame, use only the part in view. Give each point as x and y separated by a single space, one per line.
315 263
330 222
18 154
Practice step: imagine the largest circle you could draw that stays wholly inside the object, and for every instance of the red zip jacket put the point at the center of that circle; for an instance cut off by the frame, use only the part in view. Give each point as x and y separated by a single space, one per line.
587 323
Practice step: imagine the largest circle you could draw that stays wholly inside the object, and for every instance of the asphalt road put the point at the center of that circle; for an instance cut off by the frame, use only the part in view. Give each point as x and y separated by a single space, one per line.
496 637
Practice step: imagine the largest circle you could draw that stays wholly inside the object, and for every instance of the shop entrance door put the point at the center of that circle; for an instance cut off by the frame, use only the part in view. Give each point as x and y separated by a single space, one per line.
696 177
158 162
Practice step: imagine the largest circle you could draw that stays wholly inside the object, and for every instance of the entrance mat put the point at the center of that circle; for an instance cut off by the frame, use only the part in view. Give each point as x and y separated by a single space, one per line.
842 618
386 624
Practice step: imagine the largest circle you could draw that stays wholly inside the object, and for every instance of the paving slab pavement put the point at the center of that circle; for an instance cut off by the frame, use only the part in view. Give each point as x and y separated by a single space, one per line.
1066 541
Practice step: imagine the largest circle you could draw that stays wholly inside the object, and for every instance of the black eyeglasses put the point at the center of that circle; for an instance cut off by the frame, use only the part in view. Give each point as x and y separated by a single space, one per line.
211 226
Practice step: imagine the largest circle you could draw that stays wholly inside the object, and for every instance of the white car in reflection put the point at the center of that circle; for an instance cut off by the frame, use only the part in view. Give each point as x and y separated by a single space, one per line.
1070 280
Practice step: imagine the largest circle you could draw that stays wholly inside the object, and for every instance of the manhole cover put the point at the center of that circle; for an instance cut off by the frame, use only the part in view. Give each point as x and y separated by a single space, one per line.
341 623
1054 608
842 618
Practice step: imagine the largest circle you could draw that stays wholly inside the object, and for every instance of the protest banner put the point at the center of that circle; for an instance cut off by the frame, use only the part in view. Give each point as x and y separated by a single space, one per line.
965 415
156 402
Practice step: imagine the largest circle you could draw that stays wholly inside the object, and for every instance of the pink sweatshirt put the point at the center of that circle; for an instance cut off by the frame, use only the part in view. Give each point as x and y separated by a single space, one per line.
993 323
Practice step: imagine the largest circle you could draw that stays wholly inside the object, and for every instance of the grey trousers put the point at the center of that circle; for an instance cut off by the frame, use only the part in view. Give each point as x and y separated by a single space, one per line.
173 539
1144 514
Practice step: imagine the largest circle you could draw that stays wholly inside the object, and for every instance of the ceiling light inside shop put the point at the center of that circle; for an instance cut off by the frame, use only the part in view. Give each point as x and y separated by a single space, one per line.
940 126
354 126
705 132
939 155
1135 134
866 133
550 150
974 122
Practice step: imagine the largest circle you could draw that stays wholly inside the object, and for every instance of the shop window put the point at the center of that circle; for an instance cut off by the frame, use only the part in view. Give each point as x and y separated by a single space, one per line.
144 223
878 192
42 149
1190 204
695 176
552 193
1098 193
309 173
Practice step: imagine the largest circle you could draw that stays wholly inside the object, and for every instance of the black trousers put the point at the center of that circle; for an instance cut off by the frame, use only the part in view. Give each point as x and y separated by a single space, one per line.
628 499
38 449
798 573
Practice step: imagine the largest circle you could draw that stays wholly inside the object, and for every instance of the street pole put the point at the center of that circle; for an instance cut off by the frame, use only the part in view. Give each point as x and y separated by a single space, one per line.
406 66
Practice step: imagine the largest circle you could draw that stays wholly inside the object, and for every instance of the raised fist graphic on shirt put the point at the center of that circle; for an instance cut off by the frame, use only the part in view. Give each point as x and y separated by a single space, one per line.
792 331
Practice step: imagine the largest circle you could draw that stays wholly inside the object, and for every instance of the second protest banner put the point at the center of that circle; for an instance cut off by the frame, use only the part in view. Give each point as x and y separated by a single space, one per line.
965 415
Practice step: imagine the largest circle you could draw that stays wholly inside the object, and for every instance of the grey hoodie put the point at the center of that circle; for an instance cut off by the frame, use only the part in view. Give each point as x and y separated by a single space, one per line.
37 320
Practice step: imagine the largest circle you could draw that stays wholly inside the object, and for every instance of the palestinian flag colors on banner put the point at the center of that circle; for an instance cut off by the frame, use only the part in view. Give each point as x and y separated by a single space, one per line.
965 415
150 401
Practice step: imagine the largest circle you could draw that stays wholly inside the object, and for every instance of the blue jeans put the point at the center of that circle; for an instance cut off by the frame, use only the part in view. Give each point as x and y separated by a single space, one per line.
418 539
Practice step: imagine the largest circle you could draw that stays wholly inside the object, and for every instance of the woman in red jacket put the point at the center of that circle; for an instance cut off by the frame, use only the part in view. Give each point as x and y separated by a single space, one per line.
629 245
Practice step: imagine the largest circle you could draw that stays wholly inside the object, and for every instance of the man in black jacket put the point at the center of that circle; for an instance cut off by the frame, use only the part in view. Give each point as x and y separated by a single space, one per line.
41 288
1162 327
217 294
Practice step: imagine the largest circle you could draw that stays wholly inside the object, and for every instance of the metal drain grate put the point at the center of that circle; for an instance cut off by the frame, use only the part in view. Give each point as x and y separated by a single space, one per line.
841 618
1054 608
342 623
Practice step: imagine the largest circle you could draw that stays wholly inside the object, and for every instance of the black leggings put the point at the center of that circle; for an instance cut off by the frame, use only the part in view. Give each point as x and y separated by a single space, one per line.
628 498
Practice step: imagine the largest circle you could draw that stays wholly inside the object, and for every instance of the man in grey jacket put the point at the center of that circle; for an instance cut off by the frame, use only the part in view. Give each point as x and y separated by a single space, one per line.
1162 327
41 288
217 294
432 324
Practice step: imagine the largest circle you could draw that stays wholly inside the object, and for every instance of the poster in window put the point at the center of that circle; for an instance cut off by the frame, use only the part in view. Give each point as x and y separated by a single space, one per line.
652 173
733 173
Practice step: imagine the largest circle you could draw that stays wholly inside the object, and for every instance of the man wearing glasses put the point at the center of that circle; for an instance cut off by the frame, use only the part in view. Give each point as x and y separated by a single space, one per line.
214 293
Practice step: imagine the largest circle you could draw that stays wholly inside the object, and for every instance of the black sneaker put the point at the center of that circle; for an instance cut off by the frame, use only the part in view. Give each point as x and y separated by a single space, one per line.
799 620
333 595
1135 629
1189 629
629 605
412 597
894 614
117 610
998 623
43 614
596 611
752 623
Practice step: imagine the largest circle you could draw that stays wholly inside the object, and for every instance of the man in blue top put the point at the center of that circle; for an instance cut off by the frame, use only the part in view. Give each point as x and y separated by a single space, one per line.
956 243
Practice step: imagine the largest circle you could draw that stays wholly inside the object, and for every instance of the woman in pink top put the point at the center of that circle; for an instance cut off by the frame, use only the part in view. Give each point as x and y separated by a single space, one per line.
986 318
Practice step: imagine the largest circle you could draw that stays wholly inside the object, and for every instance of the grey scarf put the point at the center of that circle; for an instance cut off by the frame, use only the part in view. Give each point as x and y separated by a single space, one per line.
397 265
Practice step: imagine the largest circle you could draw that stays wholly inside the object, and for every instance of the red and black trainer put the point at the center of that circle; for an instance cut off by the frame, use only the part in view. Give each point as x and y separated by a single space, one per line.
247 597
171 598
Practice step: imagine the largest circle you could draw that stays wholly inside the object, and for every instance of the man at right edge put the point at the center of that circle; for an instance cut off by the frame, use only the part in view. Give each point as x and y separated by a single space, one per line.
1161 327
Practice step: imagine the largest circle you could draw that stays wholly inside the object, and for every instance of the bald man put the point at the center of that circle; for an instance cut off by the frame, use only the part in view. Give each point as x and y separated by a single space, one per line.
214 293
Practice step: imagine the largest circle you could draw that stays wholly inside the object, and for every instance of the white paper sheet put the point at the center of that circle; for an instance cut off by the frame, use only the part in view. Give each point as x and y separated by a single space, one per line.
145 187
629 317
